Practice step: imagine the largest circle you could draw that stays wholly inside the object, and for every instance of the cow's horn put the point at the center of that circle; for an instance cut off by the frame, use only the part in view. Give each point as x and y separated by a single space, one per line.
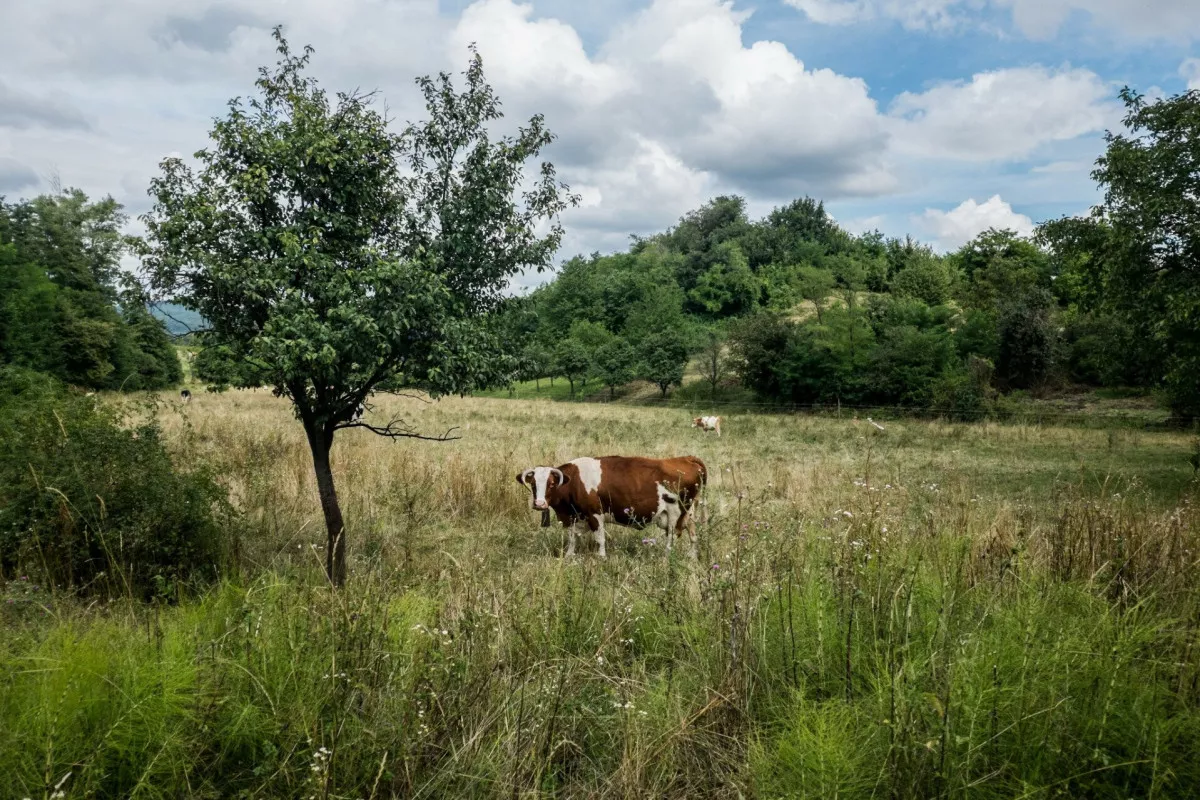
562 479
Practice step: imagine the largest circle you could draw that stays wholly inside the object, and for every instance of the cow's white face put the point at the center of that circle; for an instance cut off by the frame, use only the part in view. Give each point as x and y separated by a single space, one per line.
539 479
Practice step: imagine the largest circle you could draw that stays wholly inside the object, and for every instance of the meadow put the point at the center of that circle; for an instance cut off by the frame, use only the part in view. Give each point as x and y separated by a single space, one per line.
932 610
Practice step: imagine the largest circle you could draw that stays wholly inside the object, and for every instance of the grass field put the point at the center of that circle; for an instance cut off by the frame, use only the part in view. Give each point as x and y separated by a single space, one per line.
932 610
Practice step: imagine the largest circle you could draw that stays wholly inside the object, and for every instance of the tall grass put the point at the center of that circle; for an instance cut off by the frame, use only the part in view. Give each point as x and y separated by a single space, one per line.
932 611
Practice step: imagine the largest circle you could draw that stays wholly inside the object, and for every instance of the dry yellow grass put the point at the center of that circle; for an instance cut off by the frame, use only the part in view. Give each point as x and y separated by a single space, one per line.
400 496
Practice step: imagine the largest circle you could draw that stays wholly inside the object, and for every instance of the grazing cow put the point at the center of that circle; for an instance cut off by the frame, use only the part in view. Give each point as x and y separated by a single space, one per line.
186 396
627 490
708 424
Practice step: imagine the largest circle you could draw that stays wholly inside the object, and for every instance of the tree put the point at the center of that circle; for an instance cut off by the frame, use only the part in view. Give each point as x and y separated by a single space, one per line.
814 285
346 258
614 364
662 358
1151 181
572 361
1001 266
925 278
1027 342
728 288
713 359
535 363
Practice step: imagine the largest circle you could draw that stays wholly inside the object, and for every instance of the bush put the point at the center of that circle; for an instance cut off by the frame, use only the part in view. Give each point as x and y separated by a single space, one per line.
1028 348
965 394
96 507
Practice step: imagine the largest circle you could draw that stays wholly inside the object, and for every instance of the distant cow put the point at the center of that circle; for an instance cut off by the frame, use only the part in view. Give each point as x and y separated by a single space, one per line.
627 490
708 424
185 396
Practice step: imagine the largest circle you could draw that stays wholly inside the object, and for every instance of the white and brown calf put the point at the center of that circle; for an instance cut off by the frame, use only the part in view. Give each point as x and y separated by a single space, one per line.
628 490
708 424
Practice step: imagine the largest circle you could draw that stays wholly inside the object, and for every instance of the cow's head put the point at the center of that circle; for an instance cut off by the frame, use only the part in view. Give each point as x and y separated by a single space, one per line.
540 480
697 422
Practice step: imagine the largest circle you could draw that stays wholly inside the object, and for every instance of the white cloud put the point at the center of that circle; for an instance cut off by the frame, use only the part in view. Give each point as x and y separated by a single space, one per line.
675 100
1190 71
954 228
912 14
1062 167
1037 19
1141 19
1005 114
835 12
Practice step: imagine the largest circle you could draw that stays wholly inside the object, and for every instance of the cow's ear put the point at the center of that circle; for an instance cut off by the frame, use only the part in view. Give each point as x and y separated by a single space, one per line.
565 478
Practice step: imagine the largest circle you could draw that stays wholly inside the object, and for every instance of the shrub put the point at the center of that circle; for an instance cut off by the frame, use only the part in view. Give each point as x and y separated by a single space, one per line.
1028 343
94 506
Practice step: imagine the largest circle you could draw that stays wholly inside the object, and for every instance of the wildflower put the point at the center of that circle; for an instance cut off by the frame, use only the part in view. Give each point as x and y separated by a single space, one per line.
716 566
599 659
649 540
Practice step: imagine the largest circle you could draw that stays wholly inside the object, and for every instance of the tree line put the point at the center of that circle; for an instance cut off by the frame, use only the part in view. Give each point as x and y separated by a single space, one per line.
67 307
806 312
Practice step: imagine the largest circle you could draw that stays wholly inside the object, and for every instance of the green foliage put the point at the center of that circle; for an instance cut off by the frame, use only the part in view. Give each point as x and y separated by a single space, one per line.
341 257
92 506
60 288
1000 266
926 279
571 360
755 342
1143 241
221 367
977 334
614 364
661 358
728 288
1027 343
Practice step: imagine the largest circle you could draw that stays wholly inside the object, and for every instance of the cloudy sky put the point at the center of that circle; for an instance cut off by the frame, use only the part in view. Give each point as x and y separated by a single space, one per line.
937 118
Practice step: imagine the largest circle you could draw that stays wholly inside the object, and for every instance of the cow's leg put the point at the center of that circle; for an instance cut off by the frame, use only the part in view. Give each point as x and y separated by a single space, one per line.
689 521
596 523
570 538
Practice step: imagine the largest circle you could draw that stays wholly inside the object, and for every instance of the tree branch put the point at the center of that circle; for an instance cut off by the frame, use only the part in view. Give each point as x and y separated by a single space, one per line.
398 429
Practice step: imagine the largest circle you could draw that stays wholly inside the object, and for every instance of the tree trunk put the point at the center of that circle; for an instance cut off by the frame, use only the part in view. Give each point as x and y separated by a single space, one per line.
320 443
571 383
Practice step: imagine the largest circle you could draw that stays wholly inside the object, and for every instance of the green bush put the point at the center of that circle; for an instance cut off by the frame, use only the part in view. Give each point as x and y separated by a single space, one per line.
96 507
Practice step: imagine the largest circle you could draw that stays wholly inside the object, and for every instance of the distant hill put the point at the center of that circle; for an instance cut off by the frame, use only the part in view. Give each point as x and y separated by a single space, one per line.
177 319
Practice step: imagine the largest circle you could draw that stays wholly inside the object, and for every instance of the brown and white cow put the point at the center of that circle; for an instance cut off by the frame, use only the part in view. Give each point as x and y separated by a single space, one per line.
708 424
627 490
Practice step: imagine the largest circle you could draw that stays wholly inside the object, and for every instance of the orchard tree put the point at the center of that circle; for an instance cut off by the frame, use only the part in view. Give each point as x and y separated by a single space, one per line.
714 360
572 361
662 358
614 364
344 258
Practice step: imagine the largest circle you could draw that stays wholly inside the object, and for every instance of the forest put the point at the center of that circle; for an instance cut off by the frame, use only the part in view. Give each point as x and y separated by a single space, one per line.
806 312
67 307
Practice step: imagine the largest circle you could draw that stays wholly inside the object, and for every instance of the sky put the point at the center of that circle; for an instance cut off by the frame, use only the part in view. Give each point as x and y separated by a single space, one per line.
930 118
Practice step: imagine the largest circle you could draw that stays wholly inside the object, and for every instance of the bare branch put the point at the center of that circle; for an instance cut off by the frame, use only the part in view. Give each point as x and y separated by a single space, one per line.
398 429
